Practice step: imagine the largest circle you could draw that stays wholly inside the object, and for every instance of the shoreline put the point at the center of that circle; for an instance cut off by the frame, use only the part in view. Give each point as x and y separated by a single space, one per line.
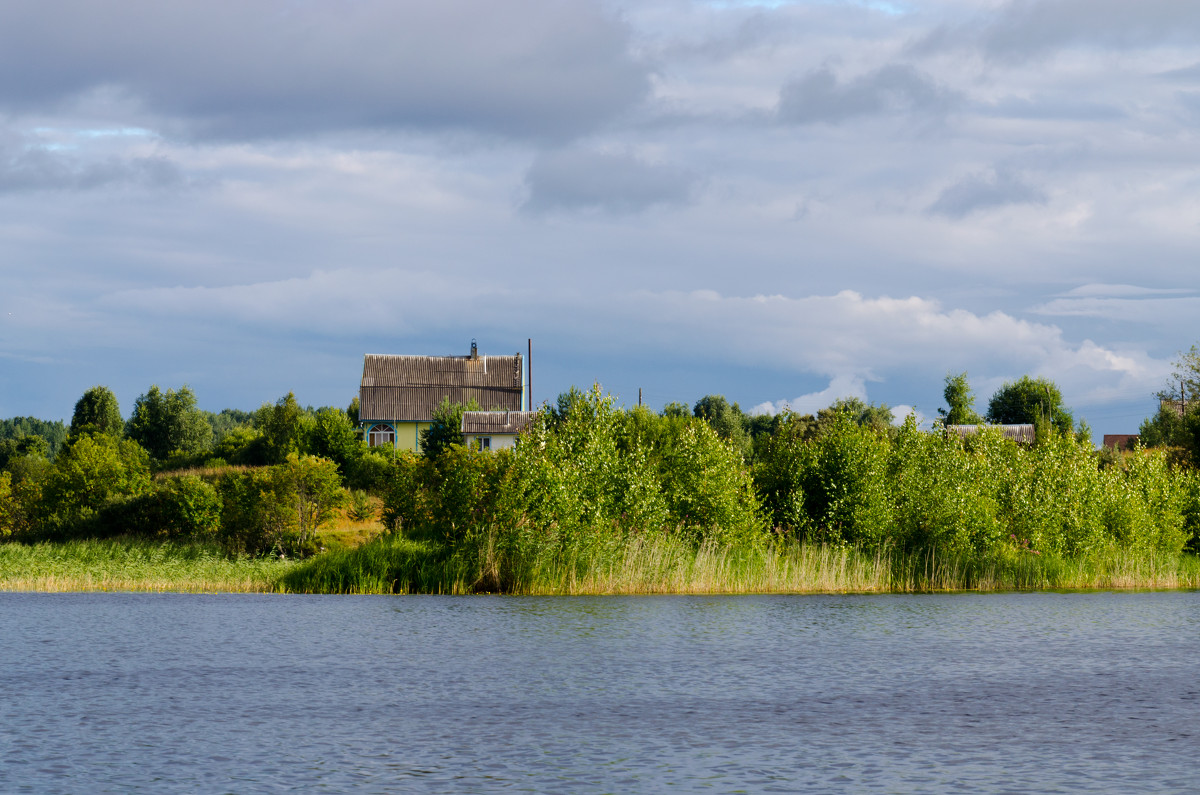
393 565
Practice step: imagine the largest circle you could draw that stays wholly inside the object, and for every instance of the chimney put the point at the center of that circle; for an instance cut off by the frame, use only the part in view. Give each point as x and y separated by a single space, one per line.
474 350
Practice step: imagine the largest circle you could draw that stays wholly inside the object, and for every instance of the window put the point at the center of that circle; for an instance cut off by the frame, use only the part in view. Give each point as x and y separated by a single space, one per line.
485 443
380 435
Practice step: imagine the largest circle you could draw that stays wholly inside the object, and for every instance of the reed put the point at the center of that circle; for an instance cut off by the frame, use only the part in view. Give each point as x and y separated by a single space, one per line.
127 564
657 564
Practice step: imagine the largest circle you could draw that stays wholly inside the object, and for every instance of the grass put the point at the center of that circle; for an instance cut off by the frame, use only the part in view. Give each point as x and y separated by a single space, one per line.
662 565
649 564
125 564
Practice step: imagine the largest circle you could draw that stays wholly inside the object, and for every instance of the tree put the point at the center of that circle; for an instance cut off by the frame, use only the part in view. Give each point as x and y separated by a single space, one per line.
333 436
446 427
961 401
1186 376
97 411
89 472
281 426
169 423
312 488
725 419
865 415
1031 401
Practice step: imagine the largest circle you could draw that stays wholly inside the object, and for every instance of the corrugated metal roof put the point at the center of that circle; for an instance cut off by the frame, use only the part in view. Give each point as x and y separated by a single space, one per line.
482 422
409 388
1018 433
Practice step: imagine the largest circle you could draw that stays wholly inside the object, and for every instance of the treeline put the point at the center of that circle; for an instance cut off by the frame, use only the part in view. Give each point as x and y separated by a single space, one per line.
588 473
254 482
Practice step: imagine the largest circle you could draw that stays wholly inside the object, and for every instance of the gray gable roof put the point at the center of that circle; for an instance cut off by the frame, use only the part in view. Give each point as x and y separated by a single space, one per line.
487 422
409 388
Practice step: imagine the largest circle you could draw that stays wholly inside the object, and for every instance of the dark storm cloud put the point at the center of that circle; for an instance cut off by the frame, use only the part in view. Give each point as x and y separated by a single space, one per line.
585 180
537 68
44 169
820 97
985 191
1023 27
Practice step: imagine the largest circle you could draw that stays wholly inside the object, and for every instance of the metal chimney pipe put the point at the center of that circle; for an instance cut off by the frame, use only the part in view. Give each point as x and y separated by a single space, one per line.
529 364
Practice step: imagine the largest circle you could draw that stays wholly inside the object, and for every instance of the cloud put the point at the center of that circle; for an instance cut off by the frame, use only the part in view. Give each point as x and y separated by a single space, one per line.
985 191
43 169
577 179
527 68
1023 28
820 97
843 386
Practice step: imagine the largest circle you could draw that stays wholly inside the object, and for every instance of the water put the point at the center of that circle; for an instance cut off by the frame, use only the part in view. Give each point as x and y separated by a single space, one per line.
964 693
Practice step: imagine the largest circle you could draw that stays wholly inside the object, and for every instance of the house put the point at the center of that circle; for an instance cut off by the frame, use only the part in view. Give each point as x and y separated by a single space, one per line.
1018 433
1120 441
494 430
398 394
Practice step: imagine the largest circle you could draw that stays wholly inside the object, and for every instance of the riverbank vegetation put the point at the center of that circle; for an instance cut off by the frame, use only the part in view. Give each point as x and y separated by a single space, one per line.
594 499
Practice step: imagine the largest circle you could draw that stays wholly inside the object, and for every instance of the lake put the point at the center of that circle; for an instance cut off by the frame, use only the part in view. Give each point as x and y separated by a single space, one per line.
1094 692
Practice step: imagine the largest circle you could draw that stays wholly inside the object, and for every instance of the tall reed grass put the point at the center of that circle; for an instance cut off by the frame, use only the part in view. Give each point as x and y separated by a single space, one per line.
129 564
657 564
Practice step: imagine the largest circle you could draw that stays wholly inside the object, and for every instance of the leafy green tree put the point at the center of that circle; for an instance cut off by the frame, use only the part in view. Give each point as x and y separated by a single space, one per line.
1030 401
446 428
20 447
865 415
961 402
97 411
676 410
169 423
312 488
88 473
227 421
352 410
333 436
55 433
727 420
282 427
1186 376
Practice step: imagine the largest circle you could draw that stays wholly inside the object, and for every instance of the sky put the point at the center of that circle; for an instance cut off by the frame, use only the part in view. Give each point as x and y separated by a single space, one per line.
781 202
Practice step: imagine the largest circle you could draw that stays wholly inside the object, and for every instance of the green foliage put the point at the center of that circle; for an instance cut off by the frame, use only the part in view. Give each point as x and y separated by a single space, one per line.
877 418
676 410
282 427
352 410
169 423
781 461
362 508
243 445
1034 401
312 488
446 428
179 508
1169 428
227 421
17 428
277 509
727 420
961 402
97 412
584 474
21 447
92 471
332 435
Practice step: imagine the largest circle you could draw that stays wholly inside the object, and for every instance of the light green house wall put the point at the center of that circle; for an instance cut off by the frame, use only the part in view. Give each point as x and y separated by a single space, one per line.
408 434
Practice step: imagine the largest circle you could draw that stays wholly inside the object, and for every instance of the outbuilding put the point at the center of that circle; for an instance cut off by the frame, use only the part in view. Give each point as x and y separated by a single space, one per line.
494 430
